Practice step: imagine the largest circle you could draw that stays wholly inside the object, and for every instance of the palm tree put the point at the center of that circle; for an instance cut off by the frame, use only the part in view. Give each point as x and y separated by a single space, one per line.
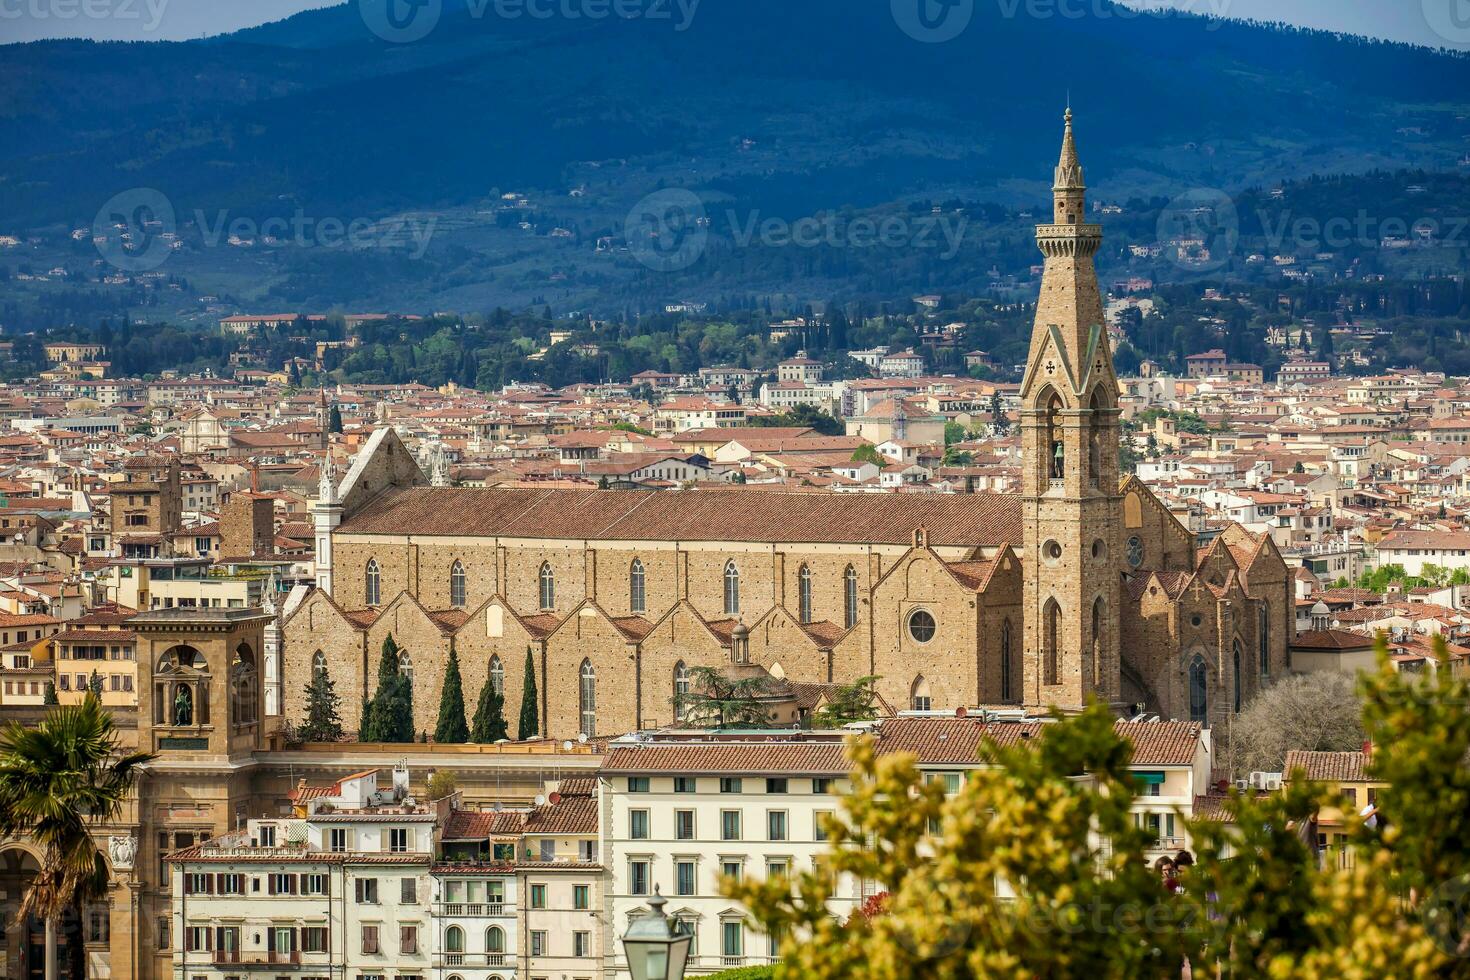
56 779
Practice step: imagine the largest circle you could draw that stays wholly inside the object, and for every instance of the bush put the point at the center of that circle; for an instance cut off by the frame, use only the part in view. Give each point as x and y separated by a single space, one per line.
745 973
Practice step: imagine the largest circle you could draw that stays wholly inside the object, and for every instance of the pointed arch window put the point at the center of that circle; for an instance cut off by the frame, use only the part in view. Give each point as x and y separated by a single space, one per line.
587 698
405 664
1199 687
804 593
637 588
373 583
849 598
919 697
732 589
1055 461
681 689
497 674
1005 660
548 587
1236 679
1263 637
244 687
1094 442
1051 624
1099 621
319 663
457 585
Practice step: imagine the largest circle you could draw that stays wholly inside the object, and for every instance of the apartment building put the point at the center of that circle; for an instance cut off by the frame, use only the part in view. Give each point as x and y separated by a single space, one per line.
342 894
683 809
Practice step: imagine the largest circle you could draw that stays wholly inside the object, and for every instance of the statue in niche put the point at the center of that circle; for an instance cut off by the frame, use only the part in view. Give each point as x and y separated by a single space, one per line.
1058 460
184 706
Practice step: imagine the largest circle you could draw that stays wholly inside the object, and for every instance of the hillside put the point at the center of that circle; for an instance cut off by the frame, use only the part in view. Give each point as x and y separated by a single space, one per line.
778 108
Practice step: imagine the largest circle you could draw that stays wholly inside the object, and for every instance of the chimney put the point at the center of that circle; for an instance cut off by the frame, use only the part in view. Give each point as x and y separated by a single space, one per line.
400 781
1368 750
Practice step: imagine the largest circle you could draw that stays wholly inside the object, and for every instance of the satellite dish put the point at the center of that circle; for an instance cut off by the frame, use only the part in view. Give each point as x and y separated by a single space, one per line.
582 738
540 800
555 797
567 745
496 807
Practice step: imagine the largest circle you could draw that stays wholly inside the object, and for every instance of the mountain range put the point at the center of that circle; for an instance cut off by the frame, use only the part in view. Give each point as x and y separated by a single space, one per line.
782 107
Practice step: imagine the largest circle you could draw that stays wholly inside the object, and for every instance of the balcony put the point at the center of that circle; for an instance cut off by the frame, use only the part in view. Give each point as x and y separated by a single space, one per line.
475 959
234 957
471 909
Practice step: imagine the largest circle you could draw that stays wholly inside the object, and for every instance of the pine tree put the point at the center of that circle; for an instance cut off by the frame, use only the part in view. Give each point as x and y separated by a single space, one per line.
489 724
451 726
530 726
323 722
389 715
50 697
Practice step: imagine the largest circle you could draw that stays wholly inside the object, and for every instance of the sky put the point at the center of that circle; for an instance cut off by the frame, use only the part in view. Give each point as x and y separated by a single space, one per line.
27 20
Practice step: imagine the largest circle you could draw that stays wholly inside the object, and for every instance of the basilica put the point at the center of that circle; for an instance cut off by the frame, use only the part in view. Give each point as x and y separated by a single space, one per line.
1081 587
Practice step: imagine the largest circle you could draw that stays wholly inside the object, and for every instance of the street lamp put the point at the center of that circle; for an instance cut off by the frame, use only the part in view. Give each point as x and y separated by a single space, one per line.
654 949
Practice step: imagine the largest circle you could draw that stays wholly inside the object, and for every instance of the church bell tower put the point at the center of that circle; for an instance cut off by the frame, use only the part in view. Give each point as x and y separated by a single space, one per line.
1069 435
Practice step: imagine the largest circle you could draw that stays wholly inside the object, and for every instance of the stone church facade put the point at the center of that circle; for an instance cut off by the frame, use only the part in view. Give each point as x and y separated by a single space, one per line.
1083 586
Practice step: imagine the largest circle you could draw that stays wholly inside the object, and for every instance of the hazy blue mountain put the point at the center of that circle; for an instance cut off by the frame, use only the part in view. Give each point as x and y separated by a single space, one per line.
788 106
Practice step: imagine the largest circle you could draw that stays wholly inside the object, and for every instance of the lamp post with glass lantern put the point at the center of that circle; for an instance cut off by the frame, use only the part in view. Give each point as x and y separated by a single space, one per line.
654 949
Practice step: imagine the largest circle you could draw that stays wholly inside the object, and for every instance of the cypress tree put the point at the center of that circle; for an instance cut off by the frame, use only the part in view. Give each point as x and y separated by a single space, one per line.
489 725
451 726
388 717
323 722
530 726
95 683
50 697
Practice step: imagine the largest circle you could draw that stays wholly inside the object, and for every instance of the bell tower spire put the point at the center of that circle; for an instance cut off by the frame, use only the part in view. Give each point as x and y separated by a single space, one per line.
1070 480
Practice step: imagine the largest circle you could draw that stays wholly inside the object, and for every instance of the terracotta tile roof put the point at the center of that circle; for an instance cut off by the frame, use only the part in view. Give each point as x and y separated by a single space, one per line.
541 624
95 636
571 815
577 786
824 758
481 824
362 618
633 627
1328 766
449 620
1211 806
824 633
1331 640
731 514
957 741
974 574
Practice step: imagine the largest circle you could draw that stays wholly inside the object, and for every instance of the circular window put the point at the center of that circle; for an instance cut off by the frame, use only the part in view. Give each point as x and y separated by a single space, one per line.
1196 621
921 625
1099 550
1135 551
1051 552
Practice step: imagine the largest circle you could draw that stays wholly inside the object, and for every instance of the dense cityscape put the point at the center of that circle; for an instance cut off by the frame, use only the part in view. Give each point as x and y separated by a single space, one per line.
1029 570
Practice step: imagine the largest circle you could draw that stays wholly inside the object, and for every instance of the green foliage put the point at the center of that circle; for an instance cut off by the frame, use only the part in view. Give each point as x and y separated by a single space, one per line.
323 710
334 422
529 727
441 784
50 697
857 701
94 683
744 973
59 779
388 717
489 724
803 415
953 433
868 453
451 727
717 700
